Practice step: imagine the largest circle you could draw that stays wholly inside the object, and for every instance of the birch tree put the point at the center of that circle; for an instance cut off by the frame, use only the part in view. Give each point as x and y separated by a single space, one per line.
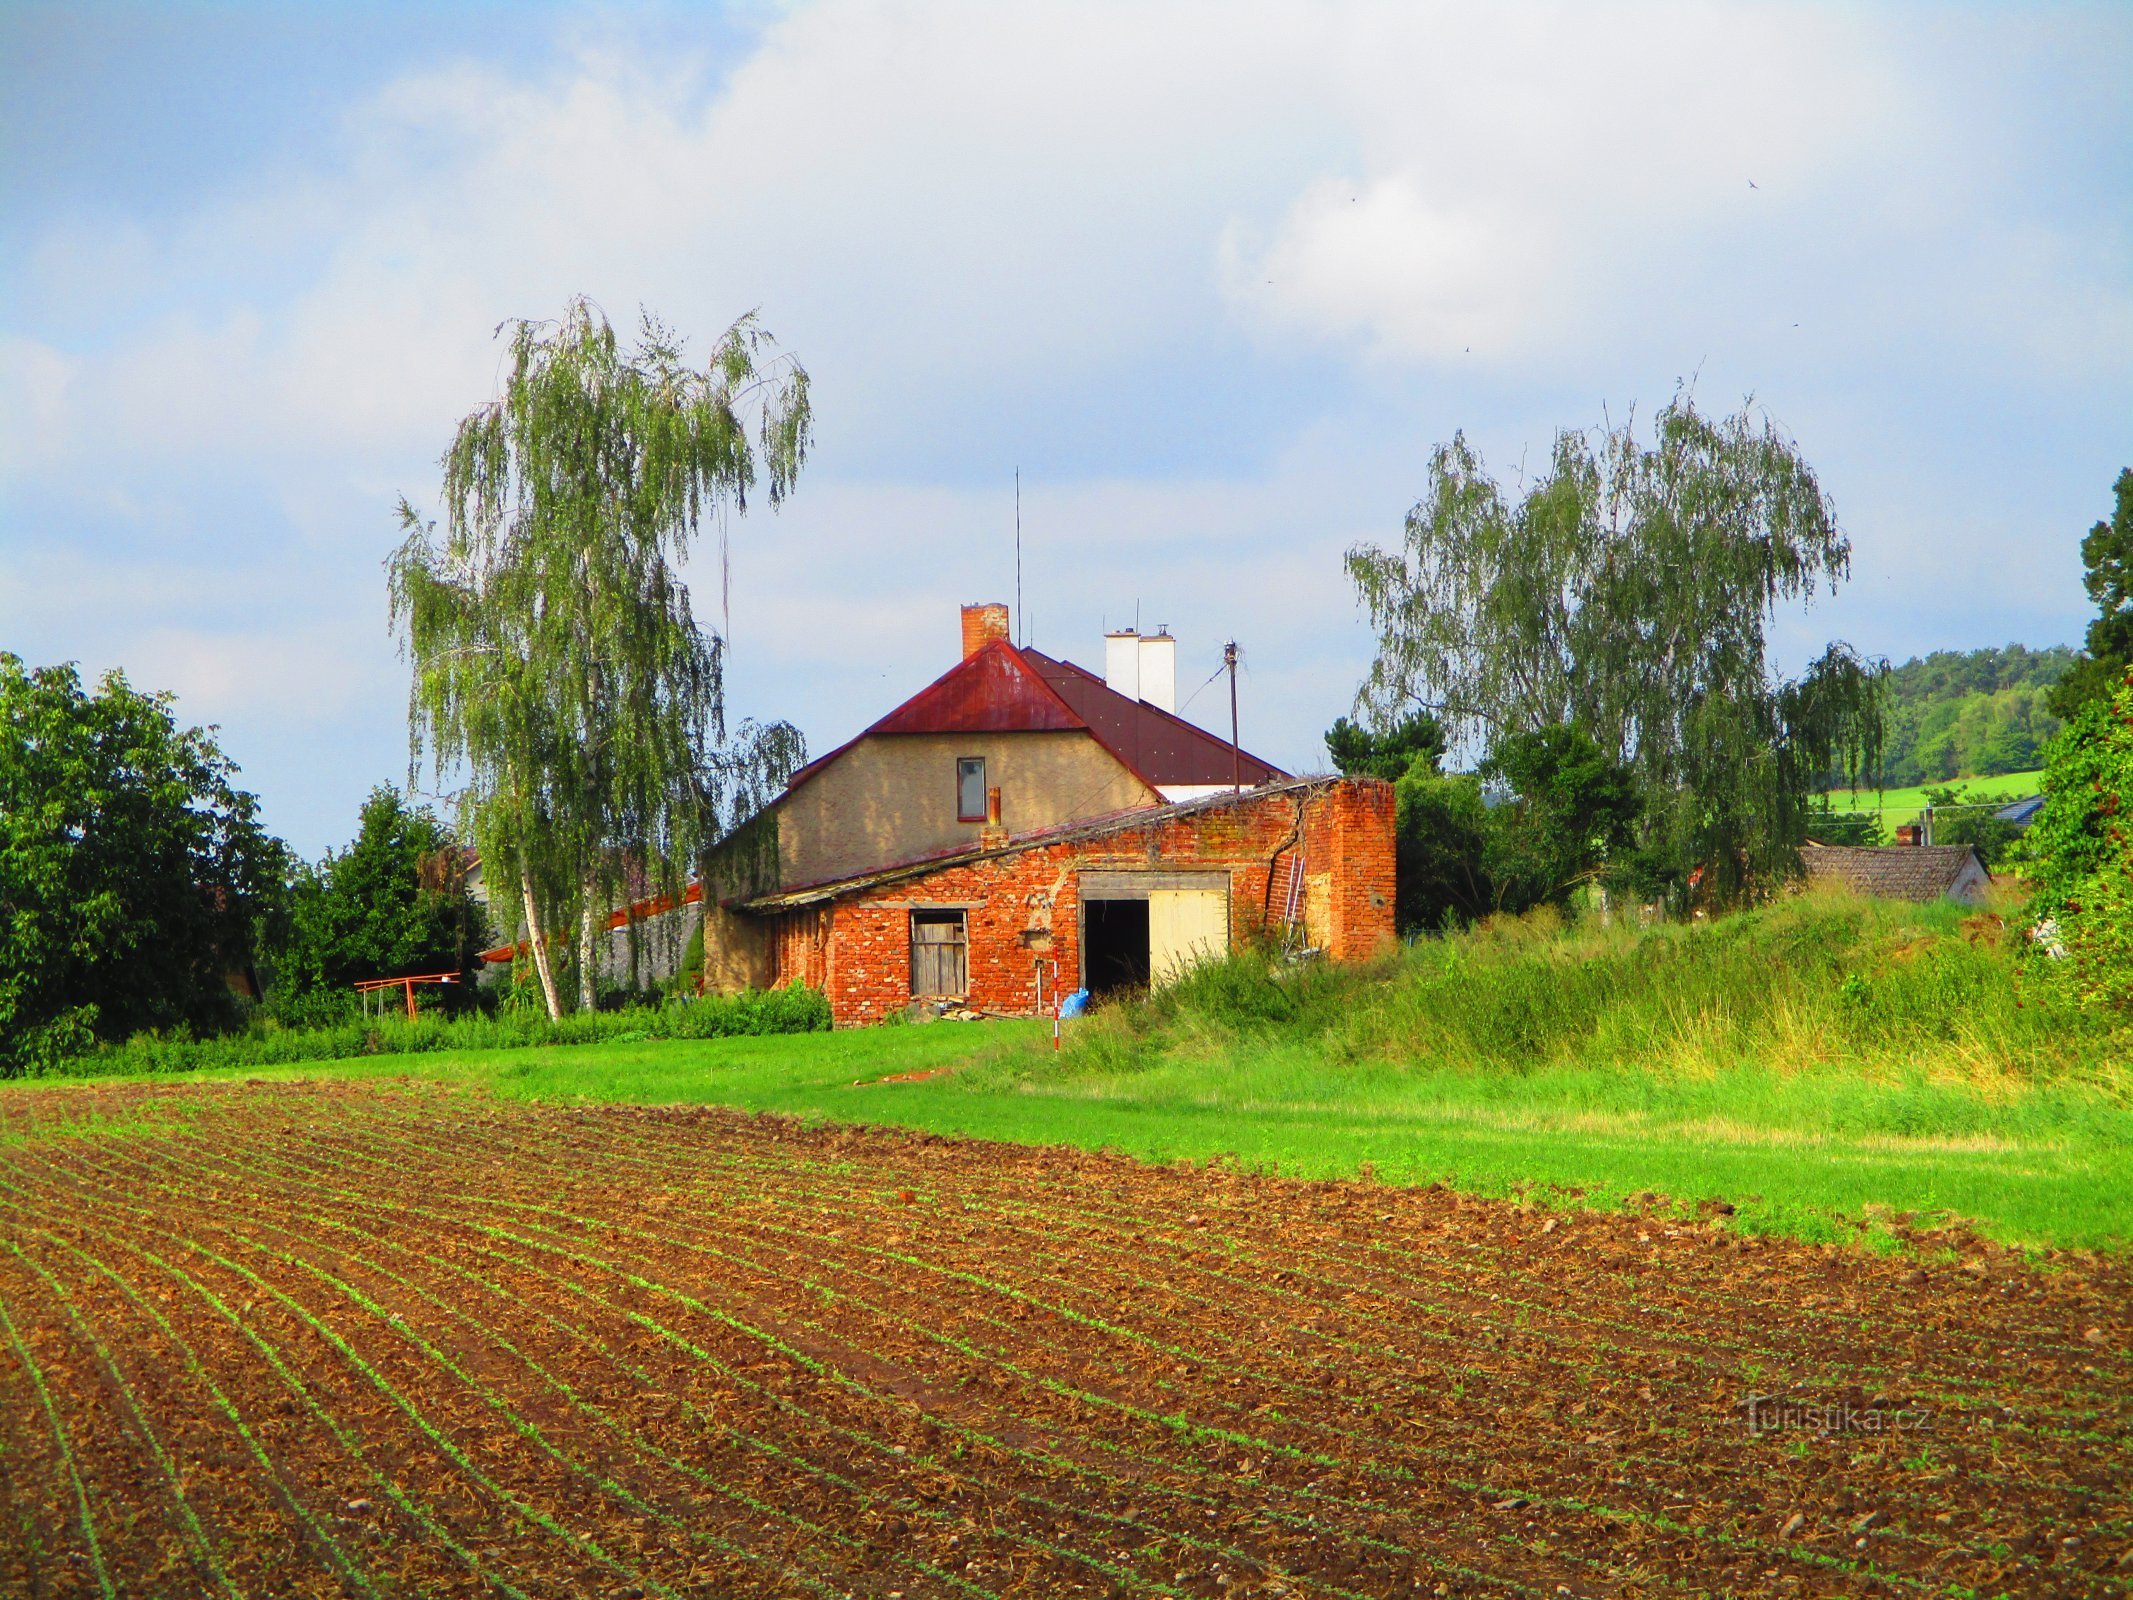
1629 592
558 666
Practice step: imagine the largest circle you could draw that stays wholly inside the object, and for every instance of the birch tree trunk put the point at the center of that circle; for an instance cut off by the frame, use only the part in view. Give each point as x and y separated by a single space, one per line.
540 949
589 921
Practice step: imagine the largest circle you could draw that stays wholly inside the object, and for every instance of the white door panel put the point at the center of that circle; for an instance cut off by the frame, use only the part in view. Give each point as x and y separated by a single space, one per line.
1185 927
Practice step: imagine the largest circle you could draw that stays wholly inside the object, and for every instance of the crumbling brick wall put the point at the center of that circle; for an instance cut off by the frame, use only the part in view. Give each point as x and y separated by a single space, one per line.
1022 913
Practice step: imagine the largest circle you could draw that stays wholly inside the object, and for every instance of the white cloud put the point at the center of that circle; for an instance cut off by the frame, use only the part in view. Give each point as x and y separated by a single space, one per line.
1561 185
1379 262
34 403
938 199
1322 236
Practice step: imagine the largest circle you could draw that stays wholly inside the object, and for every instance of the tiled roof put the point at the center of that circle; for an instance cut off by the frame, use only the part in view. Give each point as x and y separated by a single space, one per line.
1894 871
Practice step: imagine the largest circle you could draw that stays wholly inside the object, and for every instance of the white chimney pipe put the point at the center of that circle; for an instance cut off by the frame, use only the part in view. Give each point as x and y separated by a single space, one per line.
1159 671
1122 663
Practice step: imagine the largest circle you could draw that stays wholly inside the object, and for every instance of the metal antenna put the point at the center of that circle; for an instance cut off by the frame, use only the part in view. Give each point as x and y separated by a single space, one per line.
1236 760
1020 622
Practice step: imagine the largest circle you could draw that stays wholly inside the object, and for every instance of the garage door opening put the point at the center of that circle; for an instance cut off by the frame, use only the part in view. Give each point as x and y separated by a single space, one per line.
1114 945
1141 929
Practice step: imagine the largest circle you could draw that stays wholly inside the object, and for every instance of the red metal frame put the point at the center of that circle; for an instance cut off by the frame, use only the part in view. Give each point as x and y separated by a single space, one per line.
371 986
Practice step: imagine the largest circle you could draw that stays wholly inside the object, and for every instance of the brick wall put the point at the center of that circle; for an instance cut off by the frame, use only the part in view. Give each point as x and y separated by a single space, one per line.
1022 913
1351 833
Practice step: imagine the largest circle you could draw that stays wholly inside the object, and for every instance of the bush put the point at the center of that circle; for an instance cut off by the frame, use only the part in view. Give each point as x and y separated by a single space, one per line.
267 1043
2079 853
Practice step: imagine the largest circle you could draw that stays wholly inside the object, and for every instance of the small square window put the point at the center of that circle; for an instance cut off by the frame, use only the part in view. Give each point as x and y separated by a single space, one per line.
940 955
970 789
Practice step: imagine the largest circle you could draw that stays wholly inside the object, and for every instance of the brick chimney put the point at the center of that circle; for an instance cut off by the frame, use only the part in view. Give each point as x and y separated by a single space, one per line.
992 835
981 625
1909 833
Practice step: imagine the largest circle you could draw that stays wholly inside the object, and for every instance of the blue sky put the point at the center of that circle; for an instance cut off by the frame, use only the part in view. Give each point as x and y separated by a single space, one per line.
1214 276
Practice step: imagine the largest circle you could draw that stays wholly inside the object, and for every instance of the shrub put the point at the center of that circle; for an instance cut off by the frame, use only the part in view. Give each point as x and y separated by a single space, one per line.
265 1043
2080 857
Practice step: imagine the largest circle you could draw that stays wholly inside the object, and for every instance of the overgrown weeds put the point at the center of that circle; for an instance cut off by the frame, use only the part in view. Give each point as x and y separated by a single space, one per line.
1820 980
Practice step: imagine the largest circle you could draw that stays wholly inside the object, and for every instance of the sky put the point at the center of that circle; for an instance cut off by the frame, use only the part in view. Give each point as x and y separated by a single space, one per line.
1213 277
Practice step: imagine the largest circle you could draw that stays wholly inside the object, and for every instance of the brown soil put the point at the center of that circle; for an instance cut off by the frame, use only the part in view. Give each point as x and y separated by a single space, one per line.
317 1339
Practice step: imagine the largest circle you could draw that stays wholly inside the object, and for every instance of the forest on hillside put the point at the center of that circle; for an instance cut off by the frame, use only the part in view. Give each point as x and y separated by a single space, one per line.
1970 713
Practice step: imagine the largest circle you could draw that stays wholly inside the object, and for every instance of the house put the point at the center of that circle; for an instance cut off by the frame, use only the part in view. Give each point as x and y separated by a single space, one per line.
1901 871
2022 812
1023 827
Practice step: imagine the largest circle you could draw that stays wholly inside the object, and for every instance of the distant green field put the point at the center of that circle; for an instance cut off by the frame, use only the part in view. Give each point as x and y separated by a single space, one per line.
1903 805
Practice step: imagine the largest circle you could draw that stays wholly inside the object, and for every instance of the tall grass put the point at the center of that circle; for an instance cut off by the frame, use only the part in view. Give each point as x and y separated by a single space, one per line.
267 1043
1815 982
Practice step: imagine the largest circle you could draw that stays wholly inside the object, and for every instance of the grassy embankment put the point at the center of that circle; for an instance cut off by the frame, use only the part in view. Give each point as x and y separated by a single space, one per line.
1898 806
1818 1064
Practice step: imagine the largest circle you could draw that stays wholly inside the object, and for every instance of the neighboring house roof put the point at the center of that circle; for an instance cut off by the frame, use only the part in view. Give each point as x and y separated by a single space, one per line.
1895 871
1002 689
617 919
2022 812
1060 833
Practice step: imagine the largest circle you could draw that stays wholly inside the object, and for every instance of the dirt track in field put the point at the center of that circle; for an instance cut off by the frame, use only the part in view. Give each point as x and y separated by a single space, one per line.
362 1340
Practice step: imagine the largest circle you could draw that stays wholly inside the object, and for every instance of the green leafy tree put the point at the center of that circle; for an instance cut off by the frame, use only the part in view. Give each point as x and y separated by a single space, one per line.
2079 854
2107 562
1534 824
1441 845
1567 808
1357 752
133 872
1969 714
1628 592
557 662
1981 828
1827 825
395 902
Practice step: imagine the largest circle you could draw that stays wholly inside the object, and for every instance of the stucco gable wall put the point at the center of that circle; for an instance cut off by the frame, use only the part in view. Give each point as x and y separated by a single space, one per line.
1971 885
891 797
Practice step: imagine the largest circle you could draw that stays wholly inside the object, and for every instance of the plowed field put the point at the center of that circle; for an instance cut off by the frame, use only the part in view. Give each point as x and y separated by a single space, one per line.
363 1340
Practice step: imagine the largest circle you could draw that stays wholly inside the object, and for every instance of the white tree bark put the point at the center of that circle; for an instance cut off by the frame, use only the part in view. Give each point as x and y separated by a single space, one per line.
589 921
540 948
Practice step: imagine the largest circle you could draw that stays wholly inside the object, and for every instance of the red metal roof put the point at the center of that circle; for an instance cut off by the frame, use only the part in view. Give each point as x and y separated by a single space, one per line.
1002 689
994 691
1162 747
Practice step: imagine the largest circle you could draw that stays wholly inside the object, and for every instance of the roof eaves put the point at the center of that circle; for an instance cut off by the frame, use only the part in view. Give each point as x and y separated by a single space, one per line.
1123 821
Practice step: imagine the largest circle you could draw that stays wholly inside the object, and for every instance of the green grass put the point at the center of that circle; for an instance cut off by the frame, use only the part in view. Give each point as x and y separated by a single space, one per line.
1903 805
1825 1065
266 1043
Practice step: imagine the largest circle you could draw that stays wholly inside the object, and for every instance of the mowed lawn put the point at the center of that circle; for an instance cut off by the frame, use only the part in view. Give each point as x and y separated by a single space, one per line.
1829 1155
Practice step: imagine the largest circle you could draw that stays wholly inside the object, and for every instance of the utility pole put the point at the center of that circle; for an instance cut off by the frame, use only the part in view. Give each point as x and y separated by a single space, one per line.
1236 761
